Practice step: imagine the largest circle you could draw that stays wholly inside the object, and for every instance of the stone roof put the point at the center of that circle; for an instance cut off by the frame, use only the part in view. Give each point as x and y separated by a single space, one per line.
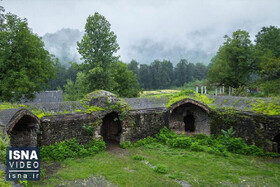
146 103
57 106
46 96
10 116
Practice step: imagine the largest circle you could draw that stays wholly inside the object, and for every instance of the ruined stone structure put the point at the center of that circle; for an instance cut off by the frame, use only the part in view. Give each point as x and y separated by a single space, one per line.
103 115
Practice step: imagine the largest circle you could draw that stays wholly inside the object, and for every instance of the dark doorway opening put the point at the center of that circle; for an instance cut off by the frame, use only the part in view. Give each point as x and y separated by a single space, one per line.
24 132
111 128
276 146
189 123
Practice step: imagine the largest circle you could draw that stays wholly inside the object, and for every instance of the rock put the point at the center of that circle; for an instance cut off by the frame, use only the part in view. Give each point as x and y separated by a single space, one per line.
100 98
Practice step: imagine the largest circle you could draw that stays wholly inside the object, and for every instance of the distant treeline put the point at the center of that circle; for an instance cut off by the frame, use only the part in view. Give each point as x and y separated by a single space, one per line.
157 75
162 74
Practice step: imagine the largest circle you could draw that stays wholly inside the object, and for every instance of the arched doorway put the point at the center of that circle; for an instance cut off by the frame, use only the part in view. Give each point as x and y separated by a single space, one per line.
189 116
111 128
189 121
22 127
276 145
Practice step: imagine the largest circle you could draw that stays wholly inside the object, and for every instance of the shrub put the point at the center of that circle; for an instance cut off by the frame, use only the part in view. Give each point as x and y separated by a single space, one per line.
160 168
180 142
221 145
229 133
125 144
145 141
196 147
70 149
272 154
138 157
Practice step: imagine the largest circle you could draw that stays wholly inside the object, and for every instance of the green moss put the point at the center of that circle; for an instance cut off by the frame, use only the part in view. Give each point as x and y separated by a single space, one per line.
189 95
226 100
235 102
4 106
268 108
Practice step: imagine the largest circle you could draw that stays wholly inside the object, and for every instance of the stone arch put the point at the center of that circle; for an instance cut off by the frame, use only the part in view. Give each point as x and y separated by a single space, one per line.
22 126
111 128
189 116
276 143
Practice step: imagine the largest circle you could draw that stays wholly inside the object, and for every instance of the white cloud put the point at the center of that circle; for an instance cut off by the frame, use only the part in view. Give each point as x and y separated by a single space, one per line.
190 25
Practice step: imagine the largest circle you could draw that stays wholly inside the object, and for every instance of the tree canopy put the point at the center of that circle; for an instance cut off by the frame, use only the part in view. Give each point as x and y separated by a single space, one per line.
25 66
97 49
233 62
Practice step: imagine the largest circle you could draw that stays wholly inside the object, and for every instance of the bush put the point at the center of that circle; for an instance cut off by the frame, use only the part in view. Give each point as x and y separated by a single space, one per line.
180 142
138 157
196 147
221 145
145 141
70 149
125 144
160 168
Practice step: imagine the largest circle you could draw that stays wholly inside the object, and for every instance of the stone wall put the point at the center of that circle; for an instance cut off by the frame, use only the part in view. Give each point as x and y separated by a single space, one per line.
144 123
254 128
139 124
201 119
62 127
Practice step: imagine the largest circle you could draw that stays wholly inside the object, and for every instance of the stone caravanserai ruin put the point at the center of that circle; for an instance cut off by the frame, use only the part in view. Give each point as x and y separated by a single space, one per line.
103 115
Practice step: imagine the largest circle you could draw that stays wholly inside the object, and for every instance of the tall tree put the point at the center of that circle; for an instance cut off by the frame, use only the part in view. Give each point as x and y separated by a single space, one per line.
268 52
267 56
182 73
268 39
145 78
133 66
97 49
25 66
233 63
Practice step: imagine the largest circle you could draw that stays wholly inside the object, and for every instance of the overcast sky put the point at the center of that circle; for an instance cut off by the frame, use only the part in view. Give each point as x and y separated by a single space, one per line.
188 25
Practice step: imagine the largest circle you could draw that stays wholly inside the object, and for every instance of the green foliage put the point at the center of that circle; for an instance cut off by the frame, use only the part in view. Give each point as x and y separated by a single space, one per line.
74 91
125 82
229 133
4 106
71 149
4 142
125 144
25 66
232 64
89 129
188 94
197 147
162 74
138 157
97 49
269 108
24 183
161 168
63 74
221 145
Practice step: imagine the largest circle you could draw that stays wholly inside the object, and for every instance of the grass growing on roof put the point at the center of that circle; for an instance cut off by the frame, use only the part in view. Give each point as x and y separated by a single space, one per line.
191 95
269 108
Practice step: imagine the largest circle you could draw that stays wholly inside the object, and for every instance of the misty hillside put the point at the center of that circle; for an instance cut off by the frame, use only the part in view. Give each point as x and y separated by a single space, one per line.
148 51
63 44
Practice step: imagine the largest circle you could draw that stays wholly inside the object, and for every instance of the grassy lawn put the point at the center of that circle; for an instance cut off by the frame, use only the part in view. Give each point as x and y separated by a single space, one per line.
197 168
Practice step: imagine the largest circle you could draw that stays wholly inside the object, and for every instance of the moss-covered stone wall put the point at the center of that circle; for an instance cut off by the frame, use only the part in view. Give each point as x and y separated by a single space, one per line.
256 129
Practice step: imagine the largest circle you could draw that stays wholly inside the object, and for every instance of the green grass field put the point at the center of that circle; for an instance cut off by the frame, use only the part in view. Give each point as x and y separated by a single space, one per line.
196 168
